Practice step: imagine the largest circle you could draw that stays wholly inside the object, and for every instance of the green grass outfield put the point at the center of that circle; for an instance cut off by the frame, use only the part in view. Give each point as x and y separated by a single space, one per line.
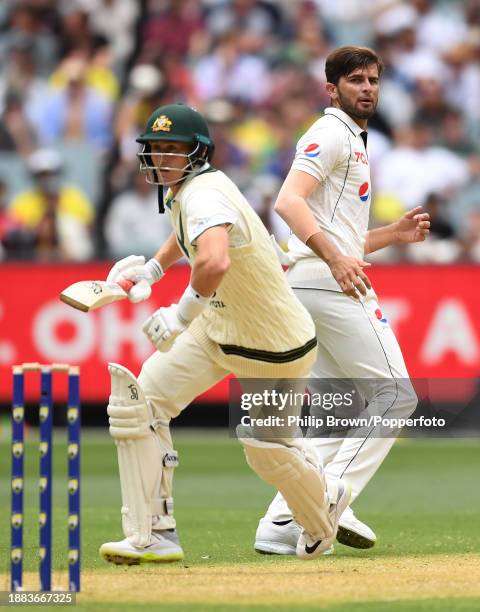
424 505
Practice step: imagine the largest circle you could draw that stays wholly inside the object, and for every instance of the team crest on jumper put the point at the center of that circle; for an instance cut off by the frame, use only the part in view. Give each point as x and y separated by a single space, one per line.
161 124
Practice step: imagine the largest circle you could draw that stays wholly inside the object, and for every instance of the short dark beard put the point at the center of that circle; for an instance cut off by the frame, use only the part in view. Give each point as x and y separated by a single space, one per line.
352 111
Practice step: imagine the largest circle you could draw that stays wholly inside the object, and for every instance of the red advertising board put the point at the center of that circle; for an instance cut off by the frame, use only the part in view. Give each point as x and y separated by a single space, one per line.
435 312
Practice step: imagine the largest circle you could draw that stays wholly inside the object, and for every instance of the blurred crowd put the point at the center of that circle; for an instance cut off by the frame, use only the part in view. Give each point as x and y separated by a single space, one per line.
78 79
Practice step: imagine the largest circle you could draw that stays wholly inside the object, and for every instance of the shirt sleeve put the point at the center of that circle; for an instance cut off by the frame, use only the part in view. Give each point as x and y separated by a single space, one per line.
206 208
318 152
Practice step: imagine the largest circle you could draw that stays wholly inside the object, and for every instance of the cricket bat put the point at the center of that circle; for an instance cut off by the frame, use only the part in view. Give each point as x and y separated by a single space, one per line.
89 295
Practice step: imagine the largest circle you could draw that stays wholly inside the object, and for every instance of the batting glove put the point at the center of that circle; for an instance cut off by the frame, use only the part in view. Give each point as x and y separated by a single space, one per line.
166 323
143 275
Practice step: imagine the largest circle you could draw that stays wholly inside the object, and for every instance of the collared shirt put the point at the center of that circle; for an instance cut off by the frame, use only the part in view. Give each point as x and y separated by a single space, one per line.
205 207
333 150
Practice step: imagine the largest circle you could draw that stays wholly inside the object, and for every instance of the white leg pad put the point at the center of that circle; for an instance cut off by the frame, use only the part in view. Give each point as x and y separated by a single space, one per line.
141 458
301 483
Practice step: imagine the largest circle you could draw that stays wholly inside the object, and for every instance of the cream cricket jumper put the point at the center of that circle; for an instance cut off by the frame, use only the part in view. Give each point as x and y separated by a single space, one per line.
254 325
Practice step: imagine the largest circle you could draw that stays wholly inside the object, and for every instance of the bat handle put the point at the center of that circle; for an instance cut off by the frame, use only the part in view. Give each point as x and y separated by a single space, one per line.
125 284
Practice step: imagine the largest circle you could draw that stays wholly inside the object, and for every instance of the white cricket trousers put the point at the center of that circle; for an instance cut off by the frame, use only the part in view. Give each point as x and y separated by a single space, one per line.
171 381
354 343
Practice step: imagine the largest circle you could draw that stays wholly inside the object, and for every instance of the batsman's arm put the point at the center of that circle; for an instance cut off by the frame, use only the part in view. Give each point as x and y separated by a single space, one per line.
292 207
212 261
210 266
169 253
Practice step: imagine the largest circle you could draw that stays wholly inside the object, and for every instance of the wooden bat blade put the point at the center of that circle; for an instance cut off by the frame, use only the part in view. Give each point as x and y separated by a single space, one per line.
89 295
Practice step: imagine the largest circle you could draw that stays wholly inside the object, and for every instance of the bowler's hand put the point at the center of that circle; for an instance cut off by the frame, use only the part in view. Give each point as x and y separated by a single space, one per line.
349 274
413 226
163 326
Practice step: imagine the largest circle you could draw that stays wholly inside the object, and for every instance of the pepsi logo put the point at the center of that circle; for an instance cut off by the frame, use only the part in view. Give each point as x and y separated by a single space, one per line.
364 192
312 150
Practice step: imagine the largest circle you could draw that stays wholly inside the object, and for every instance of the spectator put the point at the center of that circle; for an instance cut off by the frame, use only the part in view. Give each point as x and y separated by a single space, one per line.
411 60
77 112
351 21
98 73
471 236
16 133
174 27
146 88
453 135
57 216
262 195
83 77
115 21
439 27
466 203
26 21
464 90
415 168
15 243
77 33
227 72
21 77
257 21
130 226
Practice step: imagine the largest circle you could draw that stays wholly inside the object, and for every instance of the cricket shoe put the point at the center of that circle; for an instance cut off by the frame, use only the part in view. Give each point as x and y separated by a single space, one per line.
310 548
279 537
354 533
164 547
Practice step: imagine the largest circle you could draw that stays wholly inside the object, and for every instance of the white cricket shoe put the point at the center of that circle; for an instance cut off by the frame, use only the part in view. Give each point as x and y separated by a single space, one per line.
279 538
164 547
354 533
309 548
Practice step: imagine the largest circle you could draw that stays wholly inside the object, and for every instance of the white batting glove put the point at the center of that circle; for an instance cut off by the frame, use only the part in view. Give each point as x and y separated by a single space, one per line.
284 257
143 275
166 323
163 326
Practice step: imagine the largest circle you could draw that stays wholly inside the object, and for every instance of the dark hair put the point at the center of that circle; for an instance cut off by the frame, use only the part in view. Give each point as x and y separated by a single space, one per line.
344 60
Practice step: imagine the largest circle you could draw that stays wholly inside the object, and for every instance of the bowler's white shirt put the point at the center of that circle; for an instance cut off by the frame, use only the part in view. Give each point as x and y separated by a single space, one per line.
333 151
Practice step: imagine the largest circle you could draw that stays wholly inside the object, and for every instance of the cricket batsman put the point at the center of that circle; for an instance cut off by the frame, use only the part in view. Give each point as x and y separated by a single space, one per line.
237 315
325 200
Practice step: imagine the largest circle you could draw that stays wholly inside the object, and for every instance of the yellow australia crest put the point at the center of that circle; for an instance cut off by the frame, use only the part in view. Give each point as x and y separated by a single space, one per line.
161 124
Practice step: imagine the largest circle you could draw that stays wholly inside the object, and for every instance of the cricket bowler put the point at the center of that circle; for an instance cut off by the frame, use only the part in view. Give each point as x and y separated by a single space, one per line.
325 200
237 315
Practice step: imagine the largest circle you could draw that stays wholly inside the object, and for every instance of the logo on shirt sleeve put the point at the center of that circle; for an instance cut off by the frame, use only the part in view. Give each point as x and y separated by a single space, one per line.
312 150
364 191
